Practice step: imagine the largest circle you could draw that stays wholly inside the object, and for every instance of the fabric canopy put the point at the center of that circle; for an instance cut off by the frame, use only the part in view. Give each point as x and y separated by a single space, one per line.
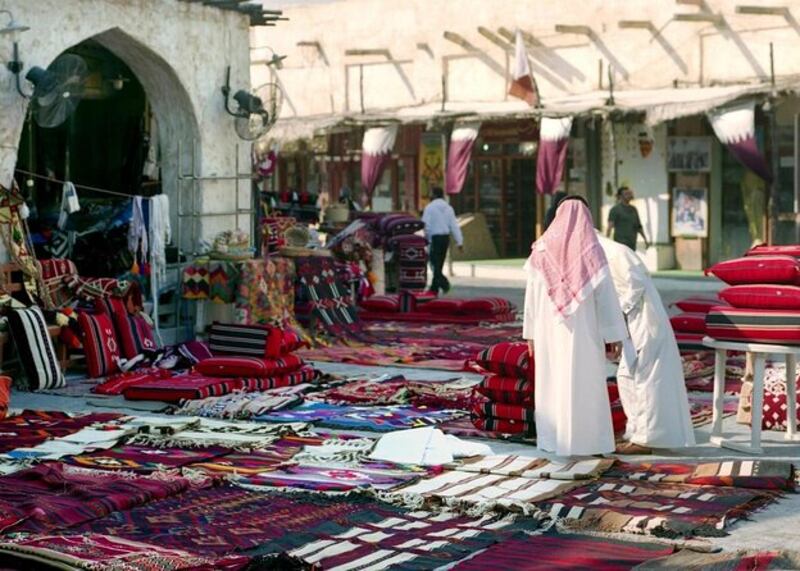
376 152
461 142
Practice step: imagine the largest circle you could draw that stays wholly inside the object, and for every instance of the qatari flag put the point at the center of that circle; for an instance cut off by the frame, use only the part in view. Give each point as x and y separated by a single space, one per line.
552 154
735 127
376 151
522 84
461 142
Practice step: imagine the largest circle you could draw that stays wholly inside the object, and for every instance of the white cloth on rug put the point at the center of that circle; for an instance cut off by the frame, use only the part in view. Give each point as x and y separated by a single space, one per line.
424 447
653 393
573 413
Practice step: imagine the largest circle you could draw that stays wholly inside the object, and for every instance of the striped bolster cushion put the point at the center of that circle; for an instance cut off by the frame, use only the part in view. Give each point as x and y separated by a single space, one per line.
690 341
248 366
507 390
35 349
505 411
754 325
238 340
487 306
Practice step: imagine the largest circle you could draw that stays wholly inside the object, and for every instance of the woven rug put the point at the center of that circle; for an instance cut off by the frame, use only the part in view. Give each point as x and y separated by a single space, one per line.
378 418
378 536
106 553
242 405
330 300
755 474
144 459
655 508
737 561
564 551
32 427
57 496
266 293
276 454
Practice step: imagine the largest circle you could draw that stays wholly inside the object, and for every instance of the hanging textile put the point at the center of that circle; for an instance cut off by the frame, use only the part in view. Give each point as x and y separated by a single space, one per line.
160 235
69 204
376 152
735 127
552 155
137 232
151 166
523 85
461 142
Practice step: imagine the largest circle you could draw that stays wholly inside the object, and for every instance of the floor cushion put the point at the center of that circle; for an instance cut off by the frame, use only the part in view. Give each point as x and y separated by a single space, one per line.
189 386
503 425
785 250
774 404
507 390
238 340
291 341
518 412
779 326
447 305
698 304
99 343
248 366
763 296
304 374
382 303
690 341
134 333
758 270
509 359
35 349
689 322
487 305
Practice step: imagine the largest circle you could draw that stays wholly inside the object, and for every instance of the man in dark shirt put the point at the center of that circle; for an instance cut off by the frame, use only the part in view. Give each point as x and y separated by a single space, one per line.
623 220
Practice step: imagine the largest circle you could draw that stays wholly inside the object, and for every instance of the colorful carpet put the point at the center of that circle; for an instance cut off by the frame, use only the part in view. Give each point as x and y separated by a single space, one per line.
754 474
378 419
145 460
106 553
244 406
553 551
266 292
57 496
32 427
736 561
440 394
655 508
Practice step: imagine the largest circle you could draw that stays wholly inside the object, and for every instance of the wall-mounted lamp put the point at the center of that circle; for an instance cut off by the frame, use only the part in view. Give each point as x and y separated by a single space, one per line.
13 30
276 60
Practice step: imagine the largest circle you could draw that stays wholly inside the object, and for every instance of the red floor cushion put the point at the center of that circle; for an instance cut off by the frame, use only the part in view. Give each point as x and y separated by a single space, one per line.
238 340
774 404
134 333
758 270
291 341
698 304
504 425
190 386
487 305
248 366
99 343
518 412
447 305
507 390
509 359
786 250
763 296
689 322
690 341
382 303
305 374
779 326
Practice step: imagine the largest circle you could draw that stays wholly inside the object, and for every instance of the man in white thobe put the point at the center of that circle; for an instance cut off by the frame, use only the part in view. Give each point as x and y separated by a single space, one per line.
653 393
571 313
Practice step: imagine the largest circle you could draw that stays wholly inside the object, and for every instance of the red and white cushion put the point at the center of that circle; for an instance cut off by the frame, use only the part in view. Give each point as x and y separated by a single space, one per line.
778 326
770 269
763 296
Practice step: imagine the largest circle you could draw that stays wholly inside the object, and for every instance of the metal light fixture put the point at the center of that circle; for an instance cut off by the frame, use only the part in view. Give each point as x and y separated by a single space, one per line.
13 30
276 60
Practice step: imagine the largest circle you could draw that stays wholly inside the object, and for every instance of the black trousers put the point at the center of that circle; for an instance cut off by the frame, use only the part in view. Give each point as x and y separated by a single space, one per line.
438 253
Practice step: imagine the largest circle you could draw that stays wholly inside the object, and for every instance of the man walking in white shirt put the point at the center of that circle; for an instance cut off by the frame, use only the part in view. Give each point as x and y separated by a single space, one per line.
440 222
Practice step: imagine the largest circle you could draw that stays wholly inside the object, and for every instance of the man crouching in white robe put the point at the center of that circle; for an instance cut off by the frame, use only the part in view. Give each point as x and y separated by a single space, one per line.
653 395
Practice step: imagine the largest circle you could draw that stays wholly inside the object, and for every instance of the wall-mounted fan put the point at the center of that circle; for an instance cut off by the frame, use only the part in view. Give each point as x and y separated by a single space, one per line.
57 89
257 110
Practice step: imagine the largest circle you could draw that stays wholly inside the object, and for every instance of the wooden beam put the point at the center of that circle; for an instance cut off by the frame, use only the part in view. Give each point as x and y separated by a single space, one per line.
763 10
459 40
635 24
494 38
569 29
699 17
368 52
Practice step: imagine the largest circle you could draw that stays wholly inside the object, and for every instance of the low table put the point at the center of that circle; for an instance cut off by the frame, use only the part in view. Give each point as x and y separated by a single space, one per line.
759 352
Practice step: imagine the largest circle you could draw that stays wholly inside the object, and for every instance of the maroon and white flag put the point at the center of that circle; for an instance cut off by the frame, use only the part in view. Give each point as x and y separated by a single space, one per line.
462 139
522 83
376 151
735 127
552 154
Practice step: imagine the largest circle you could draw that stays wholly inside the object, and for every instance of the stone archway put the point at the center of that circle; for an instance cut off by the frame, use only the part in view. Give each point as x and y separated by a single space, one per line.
172 106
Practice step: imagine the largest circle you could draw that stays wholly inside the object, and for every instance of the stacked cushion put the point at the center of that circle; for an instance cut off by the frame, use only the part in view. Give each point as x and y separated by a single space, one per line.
248 366
698 304
189 386
487 306
787 250
509 390
227 339
510 359
427 308
689 323
35 349
446 305
763 296
754 325
382 303
133 332
772 269
304 374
